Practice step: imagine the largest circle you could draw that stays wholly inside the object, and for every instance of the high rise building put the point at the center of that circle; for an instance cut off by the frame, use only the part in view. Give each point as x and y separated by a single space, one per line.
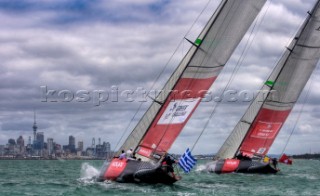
34 127
108 147
72 140
57 150
29 147
20 141
72 144
80 146
39 142
11 142
20 144
11 146
2 150
50 146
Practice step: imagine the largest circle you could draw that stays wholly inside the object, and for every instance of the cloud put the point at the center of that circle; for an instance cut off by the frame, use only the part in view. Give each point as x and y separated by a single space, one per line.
95 45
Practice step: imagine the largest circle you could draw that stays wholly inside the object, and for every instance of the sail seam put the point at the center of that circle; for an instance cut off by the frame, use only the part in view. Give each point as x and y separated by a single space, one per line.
206 67
305 46
246 122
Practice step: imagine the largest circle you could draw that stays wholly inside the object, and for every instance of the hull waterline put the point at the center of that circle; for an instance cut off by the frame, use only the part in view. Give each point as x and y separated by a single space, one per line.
134 171
240 166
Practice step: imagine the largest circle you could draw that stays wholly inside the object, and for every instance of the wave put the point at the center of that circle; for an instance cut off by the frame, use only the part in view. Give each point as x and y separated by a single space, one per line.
88 174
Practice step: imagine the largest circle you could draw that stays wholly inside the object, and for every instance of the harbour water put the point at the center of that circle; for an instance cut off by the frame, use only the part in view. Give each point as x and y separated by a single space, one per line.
75 177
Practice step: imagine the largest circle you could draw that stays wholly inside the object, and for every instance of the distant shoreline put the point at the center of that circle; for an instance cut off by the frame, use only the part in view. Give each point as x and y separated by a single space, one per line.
306 156
49 159
200 157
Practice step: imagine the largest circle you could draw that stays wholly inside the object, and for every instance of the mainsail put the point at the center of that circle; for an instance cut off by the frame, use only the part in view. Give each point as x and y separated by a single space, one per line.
165 118
259 126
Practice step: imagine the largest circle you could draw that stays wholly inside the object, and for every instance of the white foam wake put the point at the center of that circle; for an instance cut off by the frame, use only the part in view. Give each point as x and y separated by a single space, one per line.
88 173
201 168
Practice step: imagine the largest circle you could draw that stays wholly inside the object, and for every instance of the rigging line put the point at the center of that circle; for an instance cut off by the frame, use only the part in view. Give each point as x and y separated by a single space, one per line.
167 127
301 110
162 71
235 70
252 102
180 43
295 40
206 124
246 48
201 61
244 53
140 105
290 41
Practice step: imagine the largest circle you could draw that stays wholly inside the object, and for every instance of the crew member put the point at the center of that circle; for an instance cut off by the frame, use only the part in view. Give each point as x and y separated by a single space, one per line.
168 162
123 155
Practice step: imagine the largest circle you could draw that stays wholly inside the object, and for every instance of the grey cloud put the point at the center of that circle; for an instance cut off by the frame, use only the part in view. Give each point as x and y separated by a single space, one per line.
96 45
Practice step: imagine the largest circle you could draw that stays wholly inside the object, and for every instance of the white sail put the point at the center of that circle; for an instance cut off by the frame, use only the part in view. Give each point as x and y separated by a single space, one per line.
199 67
257 129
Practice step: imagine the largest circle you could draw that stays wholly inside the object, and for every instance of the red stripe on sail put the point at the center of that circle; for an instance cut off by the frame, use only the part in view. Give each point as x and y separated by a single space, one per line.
174 115
263 131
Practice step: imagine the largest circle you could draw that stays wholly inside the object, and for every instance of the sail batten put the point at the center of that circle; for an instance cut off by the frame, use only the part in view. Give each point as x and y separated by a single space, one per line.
288 80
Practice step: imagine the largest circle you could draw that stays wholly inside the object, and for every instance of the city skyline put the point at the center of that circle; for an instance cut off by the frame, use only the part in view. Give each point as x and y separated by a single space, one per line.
61 50
17 148
77 142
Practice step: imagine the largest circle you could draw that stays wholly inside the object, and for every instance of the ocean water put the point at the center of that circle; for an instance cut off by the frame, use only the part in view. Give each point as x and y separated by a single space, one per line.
74 177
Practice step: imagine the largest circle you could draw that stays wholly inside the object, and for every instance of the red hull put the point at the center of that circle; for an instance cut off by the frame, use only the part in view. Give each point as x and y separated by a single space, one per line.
240 166
133 171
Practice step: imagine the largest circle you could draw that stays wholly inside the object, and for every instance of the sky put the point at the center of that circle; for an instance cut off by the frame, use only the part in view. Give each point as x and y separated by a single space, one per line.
76 63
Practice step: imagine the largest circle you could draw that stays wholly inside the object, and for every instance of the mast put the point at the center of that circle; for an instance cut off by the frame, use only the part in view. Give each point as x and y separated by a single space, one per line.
34 127
167 115
256 131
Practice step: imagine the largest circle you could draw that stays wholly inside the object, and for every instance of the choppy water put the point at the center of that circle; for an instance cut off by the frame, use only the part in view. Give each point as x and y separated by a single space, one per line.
77 178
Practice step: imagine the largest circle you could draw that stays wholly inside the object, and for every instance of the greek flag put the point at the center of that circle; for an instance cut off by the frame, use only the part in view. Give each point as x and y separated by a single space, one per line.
187 161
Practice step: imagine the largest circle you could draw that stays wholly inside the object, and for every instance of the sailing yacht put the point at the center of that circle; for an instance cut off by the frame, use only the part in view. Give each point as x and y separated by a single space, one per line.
163 121
249 142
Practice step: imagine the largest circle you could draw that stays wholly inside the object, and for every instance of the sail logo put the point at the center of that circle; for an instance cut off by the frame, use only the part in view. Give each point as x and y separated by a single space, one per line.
230 165
178 111
145 152
266 130
232 162
117 164
261 150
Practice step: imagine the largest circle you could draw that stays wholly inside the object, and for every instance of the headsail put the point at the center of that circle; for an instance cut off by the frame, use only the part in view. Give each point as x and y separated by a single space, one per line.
166 117
258 128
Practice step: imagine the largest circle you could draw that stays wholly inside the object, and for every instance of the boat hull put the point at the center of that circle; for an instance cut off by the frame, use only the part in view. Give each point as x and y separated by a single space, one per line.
240 166
133 171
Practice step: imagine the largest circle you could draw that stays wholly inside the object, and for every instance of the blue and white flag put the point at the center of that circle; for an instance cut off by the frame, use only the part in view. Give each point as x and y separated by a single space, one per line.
187 161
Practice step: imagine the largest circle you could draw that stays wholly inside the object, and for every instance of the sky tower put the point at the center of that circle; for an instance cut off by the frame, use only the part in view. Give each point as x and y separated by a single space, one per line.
34 127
